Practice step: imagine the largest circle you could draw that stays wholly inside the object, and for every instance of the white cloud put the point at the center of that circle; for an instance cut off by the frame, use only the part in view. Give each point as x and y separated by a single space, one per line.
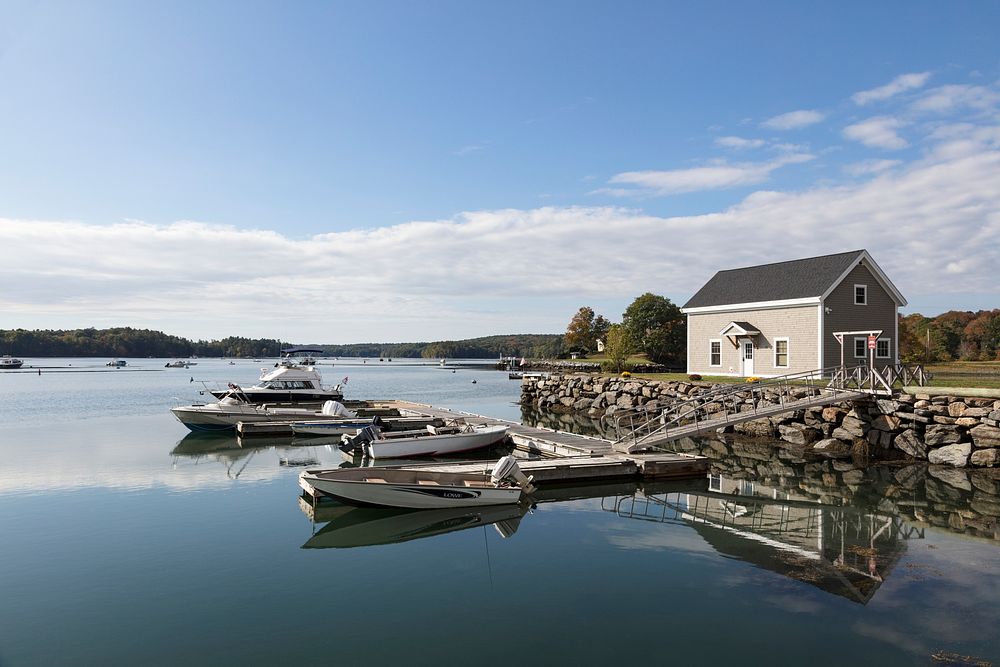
898 85
793 120
738 142
471 148
946 99
712 177
924 222
869 167
877 132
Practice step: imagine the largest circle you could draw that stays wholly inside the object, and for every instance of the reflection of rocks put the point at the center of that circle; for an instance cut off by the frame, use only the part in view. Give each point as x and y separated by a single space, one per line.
963 500
922 426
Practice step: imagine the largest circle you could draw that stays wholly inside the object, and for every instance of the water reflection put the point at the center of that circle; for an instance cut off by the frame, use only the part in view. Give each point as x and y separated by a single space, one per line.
840 550
367 526
235 454
964 501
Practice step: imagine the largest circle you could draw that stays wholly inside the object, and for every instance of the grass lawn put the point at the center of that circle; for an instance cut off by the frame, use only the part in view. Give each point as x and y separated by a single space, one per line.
979 374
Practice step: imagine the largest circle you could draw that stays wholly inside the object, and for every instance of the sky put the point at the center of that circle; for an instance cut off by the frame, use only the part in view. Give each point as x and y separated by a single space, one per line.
341 172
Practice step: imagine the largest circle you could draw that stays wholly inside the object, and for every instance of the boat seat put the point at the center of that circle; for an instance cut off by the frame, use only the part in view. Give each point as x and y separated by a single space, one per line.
442 430
427 482
375 479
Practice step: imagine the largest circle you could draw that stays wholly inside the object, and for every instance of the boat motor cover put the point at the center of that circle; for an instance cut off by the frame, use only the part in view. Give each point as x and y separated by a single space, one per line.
336 409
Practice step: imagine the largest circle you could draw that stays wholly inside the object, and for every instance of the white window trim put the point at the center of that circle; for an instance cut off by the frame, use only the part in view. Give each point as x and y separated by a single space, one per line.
862 303
710 341
889 343
788 352
865 347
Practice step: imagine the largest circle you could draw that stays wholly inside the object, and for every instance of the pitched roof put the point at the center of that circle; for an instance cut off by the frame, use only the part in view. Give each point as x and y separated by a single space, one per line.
795 279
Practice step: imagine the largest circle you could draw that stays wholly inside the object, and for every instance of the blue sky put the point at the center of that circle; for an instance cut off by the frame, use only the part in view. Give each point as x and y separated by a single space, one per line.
397 171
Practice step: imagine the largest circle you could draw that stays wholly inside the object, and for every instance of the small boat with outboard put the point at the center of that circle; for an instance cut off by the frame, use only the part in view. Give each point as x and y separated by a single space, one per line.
8 362
419 488
451 438
180 363
117 363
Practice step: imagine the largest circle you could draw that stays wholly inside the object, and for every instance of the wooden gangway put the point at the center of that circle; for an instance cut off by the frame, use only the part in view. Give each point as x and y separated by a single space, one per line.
730 405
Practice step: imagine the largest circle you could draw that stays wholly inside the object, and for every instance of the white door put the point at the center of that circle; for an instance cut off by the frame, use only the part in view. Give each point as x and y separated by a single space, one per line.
747 358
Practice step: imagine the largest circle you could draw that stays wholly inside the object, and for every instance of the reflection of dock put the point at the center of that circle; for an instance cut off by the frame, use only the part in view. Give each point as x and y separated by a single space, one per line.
842 551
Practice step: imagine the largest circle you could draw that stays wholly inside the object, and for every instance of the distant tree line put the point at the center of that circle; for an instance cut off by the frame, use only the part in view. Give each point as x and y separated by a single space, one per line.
958 335
129 342
535 346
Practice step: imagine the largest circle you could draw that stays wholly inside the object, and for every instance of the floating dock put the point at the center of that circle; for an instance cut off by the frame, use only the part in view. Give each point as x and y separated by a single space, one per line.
564 458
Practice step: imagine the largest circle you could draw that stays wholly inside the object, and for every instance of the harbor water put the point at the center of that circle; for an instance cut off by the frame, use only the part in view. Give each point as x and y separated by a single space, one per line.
125 539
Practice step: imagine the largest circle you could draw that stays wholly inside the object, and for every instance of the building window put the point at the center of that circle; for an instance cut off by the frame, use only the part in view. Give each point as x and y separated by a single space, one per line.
715 353
715 482
781 353
861 295
882 348
860 348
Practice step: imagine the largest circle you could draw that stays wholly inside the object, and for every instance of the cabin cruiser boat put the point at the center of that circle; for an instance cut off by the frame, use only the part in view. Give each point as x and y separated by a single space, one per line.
285 383
451 438
8 362
117 363
419 488
180 363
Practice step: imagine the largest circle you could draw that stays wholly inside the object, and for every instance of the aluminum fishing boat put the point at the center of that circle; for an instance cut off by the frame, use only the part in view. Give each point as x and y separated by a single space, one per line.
419 488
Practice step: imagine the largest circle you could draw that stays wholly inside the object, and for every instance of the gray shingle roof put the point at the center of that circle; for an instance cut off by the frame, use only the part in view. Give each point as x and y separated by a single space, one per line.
796 279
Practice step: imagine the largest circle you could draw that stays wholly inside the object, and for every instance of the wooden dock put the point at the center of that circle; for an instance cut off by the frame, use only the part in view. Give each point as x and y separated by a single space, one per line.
564 457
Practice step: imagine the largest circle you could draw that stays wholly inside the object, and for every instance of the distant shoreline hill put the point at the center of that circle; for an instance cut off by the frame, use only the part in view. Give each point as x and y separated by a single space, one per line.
129 342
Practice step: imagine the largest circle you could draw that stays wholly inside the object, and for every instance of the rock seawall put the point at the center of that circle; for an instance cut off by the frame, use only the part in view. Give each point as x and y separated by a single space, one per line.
942 428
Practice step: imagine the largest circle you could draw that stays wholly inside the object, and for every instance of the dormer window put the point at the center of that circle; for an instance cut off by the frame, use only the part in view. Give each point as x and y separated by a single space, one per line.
861 295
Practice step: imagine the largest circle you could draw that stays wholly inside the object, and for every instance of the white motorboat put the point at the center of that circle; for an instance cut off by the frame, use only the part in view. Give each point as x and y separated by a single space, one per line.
8 362
285 383
429 441
117 363
327 426
224 414
180 363
418 488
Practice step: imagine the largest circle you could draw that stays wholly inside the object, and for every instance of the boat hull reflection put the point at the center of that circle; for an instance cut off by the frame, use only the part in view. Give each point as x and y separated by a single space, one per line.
369 526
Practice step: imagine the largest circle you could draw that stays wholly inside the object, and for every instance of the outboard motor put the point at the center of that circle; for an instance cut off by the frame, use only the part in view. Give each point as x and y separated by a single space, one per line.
507 470
364 436
335 409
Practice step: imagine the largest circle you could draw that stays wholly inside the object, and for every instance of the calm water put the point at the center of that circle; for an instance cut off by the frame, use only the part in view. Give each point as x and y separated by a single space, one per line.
124 540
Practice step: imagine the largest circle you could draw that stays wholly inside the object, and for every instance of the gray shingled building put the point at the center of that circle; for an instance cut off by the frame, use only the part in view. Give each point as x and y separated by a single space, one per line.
781 318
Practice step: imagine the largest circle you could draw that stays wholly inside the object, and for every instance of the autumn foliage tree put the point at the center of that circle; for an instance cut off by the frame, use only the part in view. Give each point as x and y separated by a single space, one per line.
585 329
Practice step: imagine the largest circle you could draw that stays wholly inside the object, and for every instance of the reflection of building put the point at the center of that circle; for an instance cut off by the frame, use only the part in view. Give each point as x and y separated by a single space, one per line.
841 550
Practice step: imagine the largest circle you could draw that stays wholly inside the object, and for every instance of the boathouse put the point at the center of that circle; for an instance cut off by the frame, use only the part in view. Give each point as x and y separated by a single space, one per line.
794 317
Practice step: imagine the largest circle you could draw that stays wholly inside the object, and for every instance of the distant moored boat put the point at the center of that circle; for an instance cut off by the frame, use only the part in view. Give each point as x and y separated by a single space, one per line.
8 362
